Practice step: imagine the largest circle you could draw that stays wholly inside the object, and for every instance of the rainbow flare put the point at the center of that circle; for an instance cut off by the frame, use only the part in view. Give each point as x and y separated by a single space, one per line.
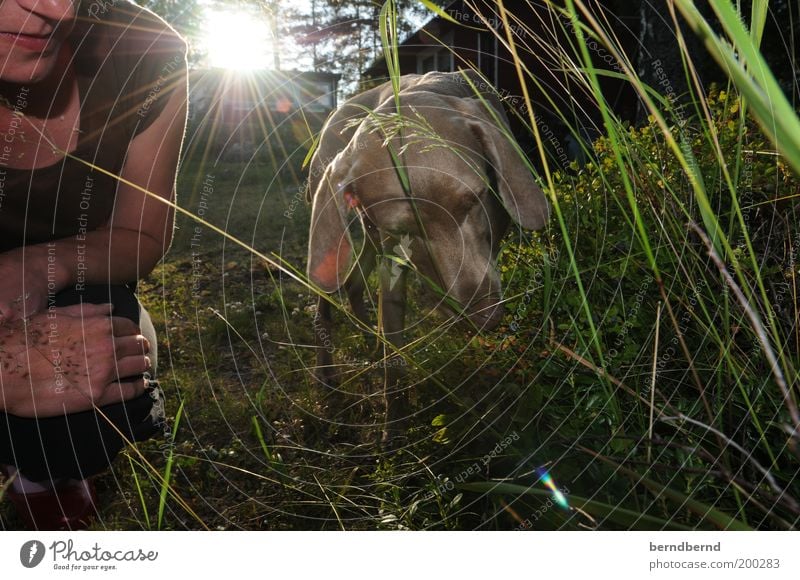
548 482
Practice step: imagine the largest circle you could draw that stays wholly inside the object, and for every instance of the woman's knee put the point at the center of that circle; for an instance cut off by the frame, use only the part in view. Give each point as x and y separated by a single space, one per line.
149 332
125 305
124 301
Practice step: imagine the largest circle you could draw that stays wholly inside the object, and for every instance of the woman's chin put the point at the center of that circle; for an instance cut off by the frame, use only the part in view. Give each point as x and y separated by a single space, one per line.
23 68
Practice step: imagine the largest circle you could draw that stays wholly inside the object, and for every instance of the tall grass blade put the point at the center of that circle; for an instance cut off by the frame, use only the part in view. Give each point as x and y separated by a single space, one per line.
751 75
162 498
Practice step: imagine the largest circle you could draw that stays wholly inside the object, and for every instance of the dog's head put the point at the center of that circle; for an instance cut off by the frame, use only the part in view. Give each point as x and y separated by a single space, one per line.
442 179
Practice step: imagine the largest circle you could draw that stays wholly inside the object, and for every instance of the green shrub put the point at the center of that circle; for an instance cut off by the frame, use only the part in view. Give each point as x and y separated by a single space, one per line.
586 383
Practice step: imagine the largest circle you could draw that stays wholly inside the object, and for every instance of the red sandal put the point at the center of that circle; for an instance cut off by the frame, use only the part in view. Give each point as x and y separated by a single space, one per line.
69 505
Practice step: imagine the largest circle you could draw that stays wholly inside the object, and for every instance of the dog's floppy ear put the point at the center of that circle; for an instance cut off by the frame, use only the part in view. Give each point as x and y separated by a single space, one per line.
329 247
520 195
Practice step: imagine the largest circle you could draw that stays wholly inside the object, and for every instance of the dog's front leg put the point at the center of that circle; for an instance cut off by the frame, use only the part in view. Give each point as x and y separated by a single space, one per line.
323 334
357 281
392 322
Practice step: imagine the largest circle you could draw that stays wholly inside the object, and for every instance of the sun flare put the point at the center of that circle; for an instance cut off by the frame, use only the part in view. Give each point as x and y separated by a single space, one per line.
237 40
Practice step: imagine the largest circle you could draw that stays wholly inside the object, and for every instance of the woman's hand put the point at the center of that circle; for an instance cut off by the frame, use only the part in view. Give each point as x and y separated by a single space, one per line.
27 277
68 360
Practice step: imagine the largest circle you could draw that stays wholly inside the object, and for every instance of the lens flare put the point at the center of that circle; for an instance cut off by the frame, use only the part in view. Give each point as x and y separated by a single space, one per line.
548 482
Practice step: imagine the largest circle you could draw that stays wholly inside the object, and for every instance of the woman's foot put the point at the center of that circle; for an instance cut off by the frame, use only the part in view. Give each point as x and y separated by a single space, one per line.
68 504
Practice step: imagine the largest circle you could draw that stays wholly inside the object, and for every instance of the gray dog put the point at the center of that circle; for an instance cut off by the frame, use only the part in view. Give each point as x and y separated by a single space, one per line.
434 179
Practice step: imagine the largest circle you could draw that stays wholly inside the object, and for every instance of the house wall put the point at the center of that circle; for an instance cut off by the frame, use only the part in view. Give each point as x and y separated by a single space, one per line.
236 113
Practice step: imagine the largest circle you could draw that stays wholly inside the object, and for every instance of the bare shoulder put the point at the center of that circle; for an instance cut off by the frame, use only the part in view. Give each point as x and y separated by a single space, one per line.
137 30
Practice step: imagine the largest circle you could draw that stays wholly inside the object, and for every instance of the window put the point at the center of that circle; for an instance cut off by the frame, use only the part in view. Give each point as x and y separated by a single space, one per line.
487 55
440 58
321 98
426 63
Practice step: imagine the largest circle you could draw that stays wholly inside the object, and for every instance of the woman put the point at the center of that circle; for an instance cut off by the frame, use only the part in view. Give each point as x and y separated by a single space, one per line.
92 112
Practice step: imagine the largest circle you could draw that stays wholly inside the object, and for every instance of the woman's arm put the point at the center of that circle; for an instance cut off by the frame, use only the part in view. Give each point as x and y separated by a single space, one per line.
140 230
97 349
129 246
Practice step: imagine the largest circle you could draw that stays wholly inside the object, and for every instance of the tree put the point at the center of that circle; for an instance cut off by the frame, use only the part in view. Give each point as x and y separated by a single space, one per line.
186 16
323 35
343 35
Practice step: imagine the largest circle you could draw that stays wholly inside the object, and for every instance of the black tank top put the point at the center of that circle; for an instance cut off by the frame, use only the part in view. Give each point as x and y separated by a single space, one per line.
127 61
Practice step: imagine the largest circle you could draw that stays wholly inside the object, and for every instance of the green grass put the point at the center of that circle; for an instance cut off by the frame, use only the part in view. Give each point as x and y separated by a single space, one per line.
568 379
648 360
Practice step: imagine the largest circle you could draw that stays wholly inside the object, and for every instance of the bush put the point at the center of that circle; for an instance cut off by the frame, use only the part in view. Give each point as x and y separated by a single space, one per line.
581 334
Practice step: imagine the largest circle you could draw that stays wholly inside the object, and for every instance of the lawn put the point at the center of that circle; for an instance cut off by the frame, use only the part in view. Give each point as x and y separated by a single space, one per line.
644 377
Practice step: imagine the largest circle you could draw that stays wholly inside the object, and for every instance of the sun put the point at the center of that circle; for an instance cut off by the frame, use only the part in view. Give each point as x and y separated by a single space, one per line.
237 40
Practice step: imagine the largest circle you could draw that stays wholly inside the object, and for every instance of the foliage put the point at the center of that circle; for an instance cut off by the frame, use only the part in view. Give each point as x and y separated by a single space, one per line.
628 369
733 395
650 333
343 36
185 16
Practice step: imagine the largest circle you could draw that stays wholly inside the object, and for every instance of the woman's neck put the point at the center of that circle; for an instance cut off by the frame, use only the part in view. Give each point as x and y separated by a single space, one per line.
40 122
47 98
